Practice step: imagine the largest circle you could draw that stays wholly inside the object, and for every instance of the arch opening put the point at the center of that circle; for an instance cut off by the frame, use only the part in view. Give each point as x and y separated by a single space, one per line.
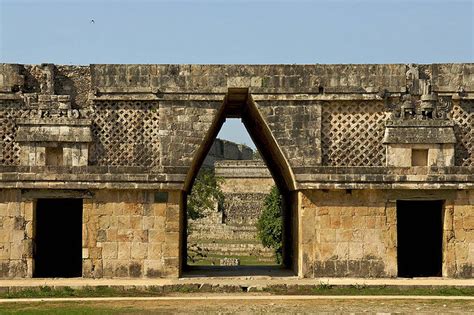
238 104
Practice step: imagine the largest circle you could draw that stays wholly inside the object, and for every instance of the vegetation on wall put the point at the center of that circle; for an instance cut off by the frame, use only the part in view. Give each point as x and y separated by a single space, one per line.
270 223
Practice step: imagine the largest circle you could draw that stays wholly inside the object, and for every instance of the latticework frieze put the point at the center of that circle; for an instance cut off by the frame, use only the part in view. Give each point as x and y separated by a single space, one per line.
125 133
9 149
243 208
352 134
463 117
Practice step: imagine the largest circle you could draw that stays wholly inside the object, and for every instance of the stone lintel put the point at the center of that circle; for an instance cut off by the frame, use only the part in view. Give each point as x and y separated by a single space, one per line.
54 130
53 122
404 186
419 132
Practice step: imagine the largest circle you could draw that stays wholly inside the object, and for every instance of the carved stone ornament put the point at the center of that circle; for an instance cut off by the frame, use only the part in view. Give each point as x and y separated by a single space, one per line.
427 107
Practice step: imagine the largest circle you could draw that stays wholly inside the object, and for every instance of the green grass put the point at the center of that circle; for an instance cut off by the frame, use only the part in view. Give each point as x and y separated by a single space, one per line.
244 261
225 241
320 289
63 308
326 289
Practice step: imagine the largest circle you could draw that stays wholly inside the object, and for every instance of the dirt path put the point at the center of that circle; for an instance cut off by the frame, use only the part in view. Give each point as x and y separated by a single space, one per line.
230 304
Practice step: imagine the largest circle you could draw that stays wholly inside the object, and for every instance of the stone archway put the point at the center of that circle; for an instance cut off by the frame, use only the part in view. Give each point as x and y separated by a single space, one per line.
238 103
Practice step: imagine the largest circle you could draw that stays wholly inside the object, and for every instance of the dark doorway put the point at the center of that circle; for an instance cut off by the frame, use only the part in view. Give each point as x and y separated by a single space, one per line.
58 238
419 228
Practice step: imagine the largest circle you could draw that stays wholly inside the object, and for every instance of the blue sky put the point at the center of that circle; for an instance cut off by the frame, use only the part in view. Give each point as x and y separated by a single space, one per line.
232 31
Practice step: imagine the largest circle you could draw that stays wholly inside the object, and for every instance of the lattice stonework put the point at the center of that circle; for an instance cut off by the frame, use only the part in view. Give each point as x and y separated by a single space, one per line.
125 133
243 208
352 134
463 117
9 149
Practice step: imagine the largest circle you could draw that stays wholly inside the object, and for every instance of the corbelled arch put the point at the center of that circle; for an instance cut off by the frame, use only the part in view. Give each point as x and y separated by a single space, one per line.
238 103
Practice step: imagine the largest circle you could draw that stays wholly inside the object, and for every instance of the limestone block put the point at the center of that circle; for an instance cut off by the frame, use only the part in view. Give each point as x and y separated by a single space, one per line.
155 251
136 222
342 250
159 222
170 250
125 235
328 235
17 236
325 251
343 235
172 226
356 250
14 209
4 250
468 222
171 267
109 268
29 229
139 250
462 251
3 209
111 234
124 222
148 223
157 235
471 251
159 209
109 250
124 250
104 221
153 268
96 252
122 268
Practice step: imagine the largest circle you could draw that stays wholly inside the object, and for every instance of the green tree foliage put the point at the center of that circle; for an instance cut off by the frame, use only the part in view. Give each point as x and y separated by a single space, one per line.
205 192
269 225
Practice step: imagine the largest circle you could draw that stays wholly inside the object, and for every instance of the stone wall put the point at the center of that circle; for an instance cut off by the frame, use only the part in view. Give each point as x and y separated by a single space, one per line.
348 234
327 132
167 110
227 150
125 234
128 234
245 185
353 233
16 235
459 236
232 231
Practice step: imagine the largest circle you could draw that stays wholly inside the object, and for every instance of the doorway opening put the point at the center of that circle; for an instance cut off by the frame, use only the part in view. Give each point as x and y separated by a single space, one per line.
58 238
238 166
420 232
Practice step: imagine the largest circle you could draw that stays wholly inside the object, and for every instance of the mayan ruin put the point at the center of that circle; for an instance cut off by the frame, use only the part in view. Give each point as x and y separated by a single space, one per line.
375 164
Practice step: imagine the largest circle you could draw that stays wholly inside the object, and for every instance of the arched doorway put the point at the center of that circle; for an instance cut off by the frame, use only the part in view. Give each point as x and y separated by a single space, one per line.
238 103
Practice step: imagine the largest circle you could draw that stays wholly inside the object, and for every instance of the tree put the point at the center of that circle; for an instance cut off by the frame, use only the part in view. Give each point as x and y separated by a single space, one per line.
269 225
205 193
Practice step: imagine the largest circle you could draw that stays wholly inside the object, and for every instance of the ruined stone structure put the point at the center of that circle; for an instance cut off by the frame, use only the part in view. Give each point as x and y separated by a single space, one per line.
227 150
232 231
375 162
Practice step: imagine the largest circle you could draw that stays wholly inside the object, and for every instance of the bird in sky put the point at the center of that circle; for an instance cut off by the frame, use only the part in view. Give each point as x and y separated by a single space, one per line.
92 21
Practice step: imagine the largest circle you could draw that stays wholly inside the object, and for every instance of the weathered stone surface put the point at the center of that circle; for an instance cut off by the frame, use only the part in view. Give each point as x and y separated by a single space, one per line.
320 129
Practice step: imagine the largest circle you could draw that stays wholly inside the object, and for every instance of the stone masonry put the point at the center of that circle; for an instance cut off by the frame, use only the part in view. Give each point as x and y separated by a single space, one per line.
232 231
346 144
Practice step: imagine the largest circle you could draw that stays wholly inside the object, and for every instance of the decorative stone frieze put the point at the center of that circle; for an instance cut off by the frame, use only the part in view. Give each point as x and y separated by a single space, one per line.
404 139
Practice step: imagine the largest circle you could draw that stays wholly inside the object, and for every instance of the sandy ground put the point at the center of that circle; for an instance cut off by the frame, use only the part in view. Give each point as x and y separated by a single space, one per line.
236 305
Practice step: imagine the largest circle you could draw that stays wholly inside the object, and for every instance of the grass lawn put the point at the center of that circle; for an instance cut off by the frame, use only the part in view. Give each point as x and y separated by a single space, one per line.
213 260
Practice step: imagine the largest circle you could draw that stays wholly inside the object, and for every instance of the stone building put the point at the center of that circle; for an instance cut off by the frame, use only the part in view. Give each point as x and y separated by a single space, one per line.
232 231
227 150
375 163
